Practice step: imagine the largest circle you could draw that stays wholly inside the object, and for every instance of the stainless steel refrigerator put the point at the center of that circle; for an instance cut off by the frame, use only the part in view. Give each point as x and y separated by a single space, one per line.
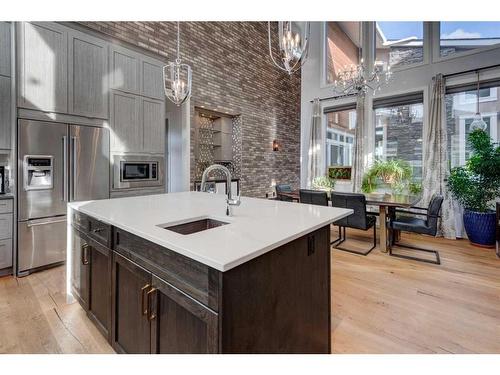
57 163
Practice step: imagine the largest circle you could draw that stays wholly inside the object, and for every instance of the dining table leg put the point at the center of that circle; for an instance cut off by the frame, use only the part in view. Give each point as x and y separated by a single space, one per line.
383 228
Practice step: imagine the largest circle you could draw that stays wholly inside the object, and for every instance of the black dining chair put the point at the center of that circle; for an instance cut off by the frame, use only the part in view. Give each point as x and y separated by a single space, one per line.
317 197
360 219
283 188
422 221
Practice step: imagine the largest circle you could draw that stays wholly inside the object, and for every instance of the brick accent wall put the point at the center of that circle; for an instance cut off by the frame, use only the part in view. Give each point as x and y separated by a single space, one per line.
232 72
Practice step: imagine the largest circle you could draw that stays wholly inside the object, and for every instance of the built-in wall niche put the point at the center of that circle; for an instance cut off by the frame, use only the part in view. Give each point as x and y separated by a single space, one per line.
217 140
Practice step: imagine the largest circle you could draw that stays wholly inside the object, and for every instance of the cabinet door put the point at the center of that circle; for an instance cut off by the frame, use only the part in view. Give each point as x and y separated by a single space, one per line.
179 323
5 49
88 82
5 253
131 331
152 79
125 70
127 135
5 112
100 267
5 226
153 120
43 66
80 268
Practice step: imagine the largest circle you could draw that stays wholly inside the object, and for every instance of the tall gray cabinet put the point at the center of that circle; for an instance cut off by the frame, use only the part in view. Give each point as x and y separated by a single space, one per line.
69 74
5 86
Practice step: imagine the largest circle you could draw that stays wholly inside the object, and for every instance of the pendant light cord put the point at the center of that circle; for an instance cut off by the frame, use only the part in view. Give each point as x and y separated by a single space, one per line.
477 105
178 61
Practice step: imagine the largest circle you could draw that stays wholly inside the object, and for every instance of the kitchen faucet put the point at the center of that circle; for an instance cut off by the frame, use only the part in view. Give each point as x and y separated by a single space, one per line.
230 201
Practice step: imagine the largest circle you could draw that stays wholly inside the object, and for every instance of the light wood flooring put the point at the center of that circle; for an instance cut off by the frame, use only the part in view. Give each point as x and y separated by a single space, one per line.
380 304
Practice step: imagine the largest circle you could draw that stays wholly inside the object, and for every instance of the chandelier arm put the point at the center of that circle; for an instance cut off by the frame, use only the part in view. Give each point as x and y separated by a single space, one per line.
270 47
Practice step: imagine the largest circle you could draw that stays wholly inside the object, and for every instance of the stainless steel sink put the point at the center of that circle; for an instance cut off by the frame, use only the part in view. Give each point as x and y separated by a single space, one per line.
195 226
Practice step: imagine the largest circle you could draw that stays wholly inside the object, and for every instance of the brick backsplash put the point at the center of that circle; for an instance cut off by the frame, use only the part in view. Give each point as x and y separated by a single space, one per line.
232 72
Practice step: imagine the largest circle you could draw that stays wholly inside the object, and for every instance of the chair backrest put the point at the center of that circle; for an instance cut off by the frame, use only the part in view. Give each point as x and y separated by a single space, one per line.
283 188
433 211
354 201
319 198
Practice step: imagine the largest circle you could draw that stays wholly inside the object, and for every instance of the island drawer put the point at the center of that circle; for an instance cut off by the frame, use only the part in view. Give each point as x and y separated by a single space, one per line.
95 229
197 280
100 232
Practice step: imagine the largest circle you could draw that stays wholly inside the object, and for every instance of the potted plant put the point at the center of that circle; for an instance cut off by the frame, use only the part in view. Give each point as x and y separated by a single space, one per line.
395 173
475 186
323 183
340 173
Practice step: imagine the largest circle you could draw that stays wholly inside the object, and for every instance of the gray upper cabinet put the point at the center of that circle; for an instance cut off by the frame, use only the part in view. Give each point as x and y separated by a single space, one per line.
43 66
125 70
88 78
5 112
152 79
127 135
153 116
5 49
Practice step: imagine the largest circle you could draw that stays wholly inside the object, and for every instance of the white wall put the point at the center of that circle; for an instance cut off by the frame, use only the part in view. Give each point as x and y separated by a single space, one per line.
408 80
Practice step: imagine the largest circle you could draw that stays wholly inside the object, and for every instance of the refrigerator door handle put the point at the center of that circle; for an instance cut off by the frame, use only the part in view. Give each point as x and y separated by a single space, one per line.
65 168
73 167
38 222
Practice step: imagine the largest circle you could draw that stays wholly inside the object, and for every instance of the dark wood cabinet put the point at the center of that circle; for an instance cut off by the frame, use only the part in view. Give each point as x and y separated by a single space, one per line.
148 299
99 306
80 268
131 332
180 324
280 302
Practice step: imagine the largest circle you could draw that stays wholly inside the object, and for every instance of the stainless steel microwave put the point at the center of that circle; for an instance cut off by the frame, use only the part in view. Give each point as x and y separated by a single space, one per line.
137 171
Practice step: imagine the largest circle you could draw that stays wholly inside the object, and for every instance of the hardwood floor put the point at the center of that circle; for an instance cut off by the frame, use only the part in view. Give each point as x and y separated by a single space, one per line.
383 304
35 318
380 304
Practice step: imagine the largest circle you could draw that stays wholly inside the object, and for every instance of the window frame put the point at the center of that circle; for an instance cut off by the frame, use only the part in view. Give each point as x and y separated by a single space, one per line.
426 47
399 100
347 106
436 46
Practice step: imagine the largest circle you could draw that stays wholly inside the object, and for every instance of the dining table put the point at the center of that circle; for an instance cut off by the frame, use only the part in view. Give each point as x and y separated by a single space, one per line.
387 204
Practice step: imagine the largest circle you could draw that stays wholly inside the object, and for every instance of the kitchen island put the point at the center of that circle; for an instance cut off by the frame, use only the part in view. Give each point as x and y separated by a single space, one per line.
171 273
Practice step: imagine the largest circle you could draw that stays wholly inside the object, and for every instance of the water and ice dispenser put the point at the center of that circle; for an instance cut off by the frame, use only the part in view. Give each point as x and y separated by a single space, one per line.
38 172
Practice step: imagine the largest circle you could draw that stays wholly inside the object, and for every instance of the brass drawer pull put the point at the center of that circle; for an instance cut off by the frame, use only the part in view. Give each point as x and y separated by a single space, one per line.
152 313
85 255
144 308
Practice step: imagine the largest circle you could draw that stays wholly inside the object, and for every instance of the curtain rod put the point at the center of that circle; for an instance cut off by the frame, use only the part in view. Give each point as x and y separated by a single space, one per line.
471 71
335 97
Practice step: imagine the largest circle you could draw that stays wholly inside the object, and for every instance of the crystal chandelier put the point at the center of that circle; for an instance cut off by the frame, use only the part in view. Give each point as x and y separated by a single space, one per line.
293 45
478 122
358 79
177 77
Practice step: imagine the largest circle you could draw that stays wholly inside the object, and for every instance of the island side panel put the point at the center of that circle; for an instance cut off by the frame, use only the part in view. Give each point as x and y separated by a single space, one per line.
280 301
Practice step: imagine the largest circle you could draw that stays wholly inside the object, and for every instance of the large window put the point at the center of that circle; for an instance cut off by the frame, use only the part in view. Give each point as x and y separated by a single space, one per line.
399 43
340 129
456 37
398 131
460 110
342 47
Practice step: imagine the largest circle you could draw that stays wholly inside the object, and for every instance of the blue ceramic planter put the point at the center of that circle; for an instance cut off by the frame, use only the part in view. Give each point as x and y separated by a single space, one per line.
480 227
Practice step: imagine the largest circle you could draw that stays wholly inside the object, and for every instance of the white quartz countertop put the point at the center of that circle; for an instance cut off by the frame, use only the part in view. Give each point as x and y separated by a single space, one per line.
256 226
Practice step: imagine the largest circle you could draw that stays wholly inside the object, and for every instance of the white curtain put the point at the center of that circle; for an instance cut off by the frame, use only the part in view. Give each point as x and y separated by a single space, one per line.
358 157
435 163
315 149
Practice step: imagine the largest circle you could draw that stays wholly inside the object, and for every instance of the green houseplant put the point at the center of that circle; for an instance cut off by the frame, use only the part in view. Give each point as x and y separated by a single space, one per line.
475 185
396 173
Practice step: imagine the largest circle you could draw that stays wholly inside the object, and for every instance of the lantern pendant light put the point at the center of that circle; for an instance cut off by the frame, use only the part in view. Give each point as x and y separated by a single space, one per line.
478 122
293 45
177 77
